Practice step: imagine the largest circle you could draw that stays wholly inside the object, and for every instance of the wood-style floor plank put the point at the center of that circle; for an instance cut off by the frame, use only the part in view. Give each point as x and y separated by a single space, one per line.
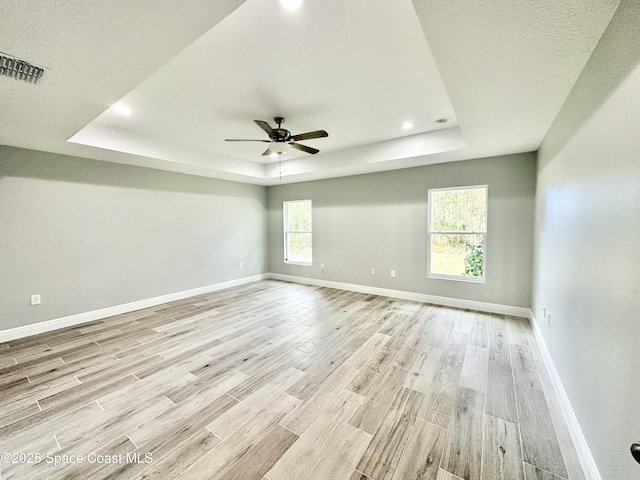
499 347
474 369
540 446
232 420
525 371
463 454
372 373
356 475
545 377
215 395
479 335
375 406
501 399
342 455
177 460
440 399
308 384
45 445
569 454
455 349
303 455
423 452
517 328
385 449
444 475
502 457
219 459
275 380
424 369
115 449
261 457
535 473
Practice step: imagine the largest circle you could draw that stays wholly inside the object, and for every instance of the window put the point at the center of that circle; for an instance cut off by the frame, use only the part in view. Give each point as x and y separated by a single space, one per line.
457 233
297 232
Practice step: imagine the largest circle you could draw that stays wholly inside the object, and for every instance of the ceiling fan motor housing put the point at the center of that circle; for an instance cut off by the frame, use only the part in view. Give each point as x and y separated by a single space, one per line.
281 135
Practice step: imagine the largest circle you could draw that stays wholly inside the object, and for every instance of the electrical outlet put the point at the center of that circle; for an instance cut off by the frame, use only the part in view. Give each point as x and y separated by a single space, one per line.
393 274
35 300
373 271
240 265
322 267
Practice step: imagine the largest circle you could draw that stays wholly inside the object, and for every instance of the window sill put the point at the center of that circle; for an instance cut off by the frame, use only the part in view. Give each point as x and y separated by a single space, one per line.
457 278
299 263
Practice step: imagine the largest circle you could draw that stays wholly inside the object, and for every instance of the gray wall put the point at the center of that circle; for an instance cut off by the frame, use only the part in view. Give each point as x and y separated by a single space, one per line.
88 235
379 221
587 261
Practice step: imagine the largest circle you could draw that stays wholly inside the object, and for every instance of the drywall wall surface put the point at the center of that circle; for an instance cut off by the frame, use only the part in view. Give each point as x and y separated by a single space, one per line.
87 235
587 245
379 221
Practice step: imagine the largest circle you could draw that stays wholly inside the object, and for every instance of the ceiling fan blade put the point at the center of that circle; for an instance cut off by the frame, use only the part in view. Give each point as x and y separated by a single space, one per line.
265 126
267 152
304 148
310 135
245 140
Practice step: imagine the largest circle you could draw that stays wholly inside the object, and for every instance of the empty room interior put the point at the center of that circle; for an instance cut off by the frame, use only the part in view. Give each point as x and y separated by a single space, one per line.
302 239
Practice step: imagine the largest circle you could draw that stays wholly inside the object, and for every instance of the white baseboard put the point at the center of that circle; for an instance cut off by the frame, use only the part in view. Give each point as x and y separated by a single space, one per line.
584 454
57 323
417 297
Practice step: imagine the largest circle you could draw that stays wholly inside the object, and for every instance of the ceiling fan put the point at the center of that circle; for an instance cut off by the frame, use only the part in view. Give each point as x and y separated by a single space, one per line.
281 140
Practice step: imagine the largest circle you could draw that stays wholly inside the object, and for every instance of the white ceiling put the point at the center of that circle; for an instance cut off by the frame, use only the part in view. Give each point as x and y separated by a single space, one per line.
195 73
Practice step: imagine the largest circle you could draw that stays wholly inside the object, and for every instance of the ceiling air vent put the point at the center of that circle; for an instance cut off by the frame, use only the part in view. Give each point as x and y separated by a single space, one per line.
20 70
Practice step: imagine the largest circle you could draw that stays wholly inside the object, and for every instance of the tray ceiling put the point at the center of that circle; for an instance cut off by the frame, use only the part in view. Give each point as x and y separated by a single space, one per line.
497 71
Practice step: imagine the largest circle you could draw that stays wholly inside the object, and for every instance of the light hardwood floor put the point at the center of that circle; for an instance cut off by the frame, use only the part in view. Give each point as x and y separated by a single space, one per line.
280 381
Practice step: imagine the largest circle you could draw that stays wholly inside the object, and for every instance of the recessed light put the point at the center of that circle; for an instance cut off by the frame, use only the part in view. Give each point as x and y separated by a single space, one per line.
291 4
406 125
123 110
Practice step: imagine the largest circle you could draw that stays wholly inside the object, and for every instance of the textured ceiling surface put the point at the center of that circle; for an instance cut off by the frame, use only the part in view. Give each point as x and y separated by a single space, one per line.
197 73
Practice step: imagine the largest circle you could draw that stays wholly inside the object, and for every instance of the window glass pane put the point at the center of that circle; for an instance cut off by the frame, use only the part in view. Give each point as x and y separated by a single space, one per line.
299 247
459 210
457 254
299 216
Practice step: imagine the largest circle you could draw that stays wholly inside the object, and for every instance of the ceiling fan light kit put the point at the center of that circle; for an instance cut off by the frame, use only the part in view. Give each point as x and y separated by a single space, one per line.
279 148
280 139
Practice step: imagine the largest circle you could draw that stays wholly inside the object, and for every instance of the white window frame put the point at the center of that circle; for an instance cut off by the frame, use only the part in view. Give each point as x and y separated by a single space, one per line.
286 231
459 278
